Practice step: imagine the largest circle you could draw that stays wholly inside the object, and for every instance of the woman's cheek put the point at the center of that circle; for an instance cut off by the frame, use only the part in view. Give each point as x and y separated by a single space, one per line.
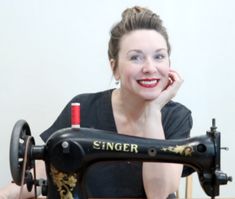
167 71
164 69
165 79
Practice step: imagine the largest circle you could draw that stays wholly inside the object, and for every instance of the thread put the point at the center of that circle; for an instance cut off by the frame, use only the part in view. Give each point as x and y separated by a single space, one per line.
75 115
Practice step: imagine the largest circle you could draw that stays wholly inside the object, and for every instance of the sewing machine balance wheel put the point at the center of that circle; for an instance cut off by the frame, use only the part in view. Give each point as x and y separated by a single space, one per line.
21 141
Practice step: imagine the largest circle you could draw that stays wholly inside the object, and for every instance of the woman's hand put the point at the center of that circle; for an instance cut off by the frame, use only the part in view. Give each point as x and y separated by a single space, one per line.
154 107
171 89
9 191
2 195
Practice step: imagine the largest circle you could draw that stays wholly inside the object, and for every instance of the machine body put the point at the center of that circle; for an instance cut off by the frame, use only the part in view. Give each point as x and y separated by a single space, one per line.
69 152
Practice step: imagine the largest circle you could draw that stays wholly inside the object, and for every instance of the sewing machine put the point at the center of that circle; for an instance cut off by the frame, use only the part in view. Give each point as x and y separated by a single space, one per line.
69 152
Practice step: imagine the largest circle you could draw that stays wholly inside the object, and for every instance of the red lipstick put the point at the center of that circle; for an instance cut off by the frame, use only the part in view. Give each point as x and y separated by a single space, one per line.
148 83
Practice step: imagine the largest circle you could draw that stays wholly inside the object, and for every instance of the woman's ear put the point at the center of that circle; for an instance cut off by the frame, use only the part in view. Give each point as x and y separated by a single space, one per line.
114 68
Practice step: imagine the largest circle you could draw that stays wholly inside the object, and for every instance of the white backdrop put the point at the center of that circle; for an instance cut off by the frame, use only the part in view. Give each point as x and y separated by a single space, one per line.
53 50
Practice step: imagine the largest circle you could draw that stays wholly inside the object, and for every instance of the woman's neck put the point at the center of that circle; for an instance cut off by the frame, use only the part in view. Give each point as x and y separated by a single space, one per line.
127 104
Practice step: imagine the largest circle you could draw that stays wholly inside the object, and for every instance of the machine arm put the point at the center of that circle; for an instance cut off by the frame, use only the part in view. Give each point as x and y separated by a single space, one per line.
71 151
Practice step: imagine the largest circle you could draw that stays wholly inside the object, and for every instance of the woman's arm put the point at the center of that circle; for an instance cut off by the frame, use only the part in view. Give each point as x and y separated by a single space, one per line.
160 179
12 191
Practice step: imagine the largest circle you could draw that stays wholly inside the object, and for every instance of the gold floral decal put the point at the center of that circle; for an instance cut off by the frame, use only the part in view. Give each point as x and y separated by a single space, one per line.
65 183
182 150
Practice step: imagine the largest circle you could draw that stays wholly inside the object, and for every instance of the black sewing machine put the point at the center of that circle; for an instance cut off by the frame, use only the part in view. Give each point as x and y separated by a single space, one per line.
69 152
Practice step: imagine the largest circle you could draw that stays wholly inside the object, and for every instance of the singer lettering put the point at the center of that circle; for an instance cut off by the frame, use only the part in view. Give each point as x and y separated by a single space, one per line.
113 146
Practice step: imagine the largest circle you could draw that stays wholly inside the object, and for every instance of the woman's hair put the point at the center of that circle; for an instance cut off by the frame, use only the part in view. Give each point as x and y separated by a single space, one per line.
134 18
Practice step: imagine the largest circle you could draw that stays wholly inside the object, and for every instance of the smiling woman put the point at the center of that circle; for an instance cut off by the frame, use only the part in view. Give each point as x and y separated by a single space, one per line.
139 55
143 64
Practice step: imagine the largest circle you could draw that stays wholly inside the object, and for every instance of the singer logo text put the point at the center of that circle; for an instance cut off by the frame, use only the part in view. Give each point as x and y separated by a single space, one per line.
113 146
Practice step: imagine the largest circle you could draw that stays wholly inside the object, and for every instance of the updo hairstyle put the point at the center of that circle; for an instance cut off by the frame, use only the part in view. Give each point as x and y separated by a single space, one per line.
134 18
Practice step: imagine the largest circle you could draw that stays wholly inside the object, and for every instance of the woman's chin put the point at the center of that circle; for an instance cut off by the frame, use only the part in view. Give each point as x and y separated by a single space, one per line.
149 97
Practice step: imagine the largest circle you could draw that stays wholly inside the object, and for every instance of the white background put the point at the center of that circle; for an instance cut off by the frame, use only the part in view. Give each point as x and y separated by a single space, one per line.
51 50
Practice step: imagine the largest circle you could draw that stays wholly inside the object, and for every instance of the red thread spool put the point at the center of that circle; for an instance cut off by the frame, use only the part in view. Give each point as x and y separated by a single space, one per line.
75 115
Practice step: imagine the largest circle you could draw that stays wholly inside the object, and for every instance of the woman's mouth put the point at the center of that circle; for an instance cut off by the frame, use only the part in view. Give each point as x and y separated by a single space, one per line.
148 83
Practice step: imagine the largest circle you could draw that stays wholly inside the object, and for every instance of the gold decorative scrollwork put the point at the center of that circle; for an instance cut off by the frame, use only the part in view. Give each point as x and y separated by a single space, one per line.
184 150
65 183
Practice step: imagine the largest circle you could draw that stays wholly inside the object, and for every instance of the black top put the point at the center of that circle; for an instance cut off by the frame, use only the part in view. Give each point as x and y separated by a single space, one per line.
119 179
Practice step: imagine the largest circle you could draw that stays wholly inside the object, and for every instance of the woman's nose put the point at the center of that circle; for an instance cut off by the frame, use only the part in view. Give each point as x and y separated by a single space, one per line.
149 67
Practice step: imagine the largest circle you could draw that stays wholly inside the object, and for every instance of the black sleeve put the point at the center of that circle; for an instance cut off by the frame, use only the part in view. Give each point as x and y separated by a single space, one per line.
177 124
177 121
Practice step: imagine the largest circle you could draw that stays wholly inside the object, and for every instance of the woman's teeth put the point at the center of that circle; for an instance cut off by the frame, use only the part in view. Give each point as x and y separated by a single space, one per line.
148 82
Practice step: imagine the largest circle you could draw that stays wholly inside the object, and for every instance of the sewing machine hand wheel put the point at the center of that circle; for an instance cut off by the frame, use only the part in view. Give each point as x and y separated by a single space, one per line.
19 136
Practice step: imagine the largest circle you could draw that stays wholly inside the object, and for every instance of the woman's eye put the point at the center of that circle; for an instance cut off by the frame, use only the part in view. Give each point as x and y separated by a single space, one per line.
159 56
135 58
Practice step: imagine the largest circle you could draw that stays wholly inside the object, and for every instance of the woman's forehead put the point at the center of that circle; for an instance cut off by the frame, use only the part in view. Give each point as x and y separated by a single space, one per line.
142 40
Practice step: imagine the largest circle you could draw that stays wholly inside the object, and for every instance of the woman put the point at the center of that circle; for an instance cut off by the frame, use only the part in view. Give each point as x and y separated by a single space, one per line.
139 53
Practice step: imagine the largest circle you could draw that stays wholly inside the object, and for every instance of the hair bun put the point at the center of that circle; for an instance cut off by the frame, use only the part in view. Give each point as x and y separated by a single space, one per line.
135 18
134 10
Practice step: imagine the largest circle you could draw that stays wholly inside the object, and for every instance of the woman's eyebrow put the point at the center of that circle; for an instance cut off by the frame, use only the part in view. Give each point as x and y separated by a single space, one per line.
140 51
134 50
161 49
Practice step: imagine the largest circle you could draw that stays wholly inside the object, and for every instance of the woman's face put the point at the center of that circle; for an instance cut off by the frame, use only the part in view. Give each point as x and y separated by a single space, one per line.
143 64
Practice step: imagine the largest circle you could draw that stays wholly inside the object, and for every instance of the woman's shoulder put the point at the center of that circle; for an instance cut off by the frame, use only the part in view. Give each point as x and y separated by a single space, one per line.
177 120
175 113
91 97
173 106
